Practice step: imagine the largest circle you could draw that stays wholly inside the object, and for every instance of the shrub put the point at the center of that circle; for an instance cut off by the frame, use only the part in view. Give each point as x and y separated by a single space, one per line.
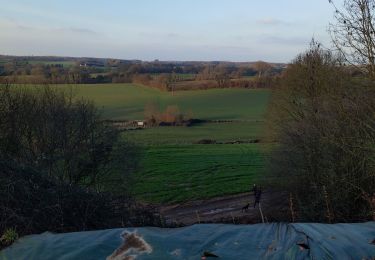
206 141
34 203
61 136
61 167
9 236
324 122
171 116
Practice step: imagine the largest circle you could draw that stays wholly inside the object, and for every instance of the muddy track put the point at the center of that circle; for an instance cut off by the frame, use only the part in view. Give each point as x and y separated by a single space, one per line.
227 209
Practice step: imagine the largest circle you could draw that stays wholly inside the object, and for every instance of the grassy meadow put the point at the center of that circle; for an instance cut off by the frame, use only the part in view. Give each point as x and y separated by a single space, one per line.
175 173
127 101
180 135
173 167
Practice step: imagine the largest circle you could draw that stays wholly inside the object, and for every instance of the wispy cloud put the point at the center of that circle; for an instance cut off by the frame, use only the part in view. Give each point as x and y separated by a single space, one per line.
9 22
173 35
151 34
78 30
16 25
276 40
272 22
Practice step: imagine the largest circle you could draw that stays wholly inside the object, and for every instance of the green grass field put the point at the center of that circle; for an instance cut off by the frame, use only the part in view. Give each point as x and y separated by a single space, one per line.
188 172
127 101
220 132
173 168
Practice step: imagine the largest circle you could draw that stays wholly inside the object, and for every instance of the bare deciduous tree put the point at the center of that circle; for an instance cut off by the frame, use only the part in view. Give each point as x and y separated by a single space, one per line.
62 136
353 33
262 68
325 128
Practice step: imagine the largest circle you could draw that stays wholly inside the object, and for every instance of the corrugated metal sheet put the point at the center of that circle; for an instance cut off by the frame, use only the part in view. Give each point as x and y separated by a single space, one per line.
262 241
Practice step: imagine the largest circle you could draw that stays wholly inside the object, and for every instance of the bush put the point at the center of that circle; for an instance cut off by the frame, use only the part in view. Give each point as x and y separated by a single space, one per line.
61 167
206 141
324 121
172 116
62 136
33 203
9 236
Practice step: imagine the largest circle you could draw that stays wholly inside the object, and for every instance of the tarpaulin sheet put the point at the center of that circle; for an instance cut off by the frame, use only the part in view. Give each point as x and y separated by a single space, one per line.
261 241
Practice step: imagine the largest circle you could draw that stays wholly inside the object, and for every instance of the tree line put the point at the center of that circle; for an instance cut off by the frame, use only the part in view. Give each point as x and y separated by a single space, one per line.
162 75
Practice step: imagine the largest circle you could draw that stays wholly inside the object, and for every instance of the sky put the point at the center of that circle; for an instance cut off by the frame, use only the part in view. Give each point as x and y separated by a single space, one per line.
227 30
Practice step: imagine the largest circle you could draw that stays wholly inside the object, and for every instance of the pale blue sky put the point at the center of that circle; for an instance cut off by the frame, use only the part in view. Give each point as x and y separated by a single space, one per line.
233 30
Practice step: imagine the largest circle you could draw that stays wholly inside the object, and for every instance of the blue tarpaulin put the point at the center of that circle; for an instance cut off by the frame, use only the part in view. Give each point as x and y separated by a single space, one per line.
261 241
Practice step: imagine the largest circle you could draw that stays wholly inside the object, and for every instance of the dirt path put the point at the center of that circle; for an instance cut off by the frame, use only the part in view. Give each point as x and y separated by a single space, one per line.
226 209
